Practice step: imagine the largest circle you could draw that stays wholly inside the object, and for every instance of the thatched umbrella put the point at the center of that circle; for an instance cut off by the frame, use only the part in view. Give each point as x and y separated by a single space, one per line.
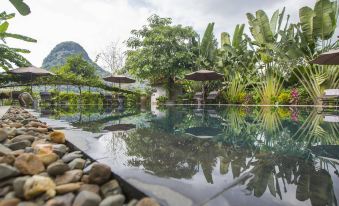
204 75
328 58
30 73
119 79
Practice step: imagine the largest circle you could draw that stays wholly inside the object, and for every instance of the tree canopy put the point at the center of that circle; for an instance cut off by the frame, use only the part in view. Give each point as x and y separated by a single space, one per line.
160 51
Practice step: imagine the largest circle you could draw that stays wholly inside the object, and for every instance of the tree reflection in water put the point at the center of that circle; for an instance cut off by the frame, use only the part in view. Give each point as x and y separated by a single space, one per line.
266 142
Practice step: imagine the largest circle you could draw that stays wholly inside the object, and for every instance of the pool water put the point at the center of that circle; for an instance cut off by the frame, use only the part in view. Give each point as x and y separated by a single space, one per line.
214 155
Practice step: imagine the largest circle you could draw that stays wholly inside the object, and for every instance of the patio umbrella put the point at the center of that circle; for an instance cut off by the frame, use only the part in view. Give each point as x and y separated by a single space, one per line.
328 58
204 75
30 72
119 79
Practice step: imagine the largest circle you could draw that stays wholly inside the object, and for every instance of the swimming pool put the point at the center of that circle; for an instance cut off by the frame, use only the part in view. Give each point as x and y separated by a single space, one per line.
213 155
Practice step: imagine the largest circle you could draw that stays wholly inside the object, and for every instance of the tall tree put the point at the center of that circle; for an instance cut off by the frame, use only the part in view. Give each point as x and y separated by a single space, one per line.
160 51
112 57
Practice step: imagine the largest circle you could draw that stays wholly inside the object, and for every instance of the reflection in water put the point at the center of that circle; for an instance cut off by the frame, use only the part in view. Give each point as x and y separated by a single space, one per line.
278 146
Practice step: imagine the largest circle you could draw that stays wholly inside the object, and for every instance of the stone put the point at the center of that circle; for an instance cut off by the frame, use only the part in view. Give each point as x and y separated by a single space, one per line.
41 130
57 137
85 179
146 201
69 177
42 148
39 141
57 168
116 200
19 145
71 187
60 149
18 186
29 150
37 124
5 190
29 164
63 200
38 185
4 150
71 156
3 135
10 202
7 181
133 202
86 198
26 203
7 159
90 187
49 158
110 188
16 125
77 163
10 195
99 174
22 137
7 171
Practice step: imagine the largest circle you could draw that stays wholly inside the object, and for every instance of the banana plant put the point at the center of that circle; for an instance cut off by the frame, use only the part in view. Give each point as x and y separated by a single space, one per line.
8 55
207 49
21 6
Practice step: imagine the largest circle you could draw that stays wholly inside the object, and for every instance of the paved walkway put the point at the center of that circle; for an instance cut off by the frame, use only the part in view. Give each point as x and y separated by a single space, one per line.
3 110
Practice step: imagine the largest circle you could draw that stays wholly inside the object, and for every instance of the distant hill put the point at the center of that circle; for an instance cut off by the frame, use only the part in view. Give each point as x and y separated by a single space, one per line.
60 53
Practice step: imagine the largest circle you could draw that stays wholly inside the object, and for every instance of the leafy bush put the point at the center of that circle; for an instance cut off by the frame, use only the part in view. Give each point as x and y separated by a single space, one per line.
162 100
284 97
132 99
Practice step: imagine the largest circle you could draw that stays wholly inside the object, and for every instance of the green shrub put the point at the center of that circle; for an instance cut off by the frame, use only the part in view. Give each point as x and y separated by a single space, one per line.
162 100
284 97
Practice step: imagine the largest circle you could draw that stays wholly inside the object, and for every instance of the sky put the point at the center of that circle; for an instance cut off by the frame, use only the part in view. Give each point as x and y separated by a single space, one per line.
95 23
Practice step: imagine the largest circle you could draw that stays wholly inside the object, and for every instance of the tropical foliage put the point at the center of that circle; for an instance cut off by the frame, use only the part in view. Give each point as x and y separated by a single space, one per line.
12 56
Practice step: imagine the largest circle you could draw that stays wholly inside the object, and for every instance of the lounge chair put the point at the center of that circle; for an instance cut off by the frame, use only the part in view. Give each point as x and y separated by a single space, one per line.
213 95
3 96
330 95
199 97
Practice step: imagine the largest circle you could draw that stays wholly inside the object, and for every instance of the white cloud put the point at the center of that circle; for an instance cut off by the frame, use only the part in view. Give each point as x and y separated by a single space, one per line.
94 23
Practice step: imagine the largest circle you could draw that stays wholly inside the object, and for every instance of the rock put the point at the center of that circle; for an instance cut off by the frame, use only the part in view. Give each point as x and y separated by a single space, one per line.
37 124
86 198
11 132
41 130
29 150
99 174
23 137
110 188
7 159
85 179
60 149
42 148
63 200
18 186
77 163
116 200
26 203
19 145
57 137
146 201
18 152
7 171
5 190
10 202
69 177
7 181
71 156
29 164
10 195
49 158
132 202
3 135
4 150
71 187
90 188
38 185
57 168
16 125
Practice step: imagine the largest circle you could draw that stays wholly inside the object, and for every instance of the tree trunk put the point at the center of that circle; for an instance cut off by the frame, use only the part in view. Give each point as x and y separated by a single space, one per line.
80 94
170 88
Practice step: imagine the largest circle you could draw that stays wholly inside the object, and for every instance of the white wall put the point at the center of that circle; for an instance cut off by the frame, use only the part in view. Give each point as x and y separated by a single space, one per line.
159 91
